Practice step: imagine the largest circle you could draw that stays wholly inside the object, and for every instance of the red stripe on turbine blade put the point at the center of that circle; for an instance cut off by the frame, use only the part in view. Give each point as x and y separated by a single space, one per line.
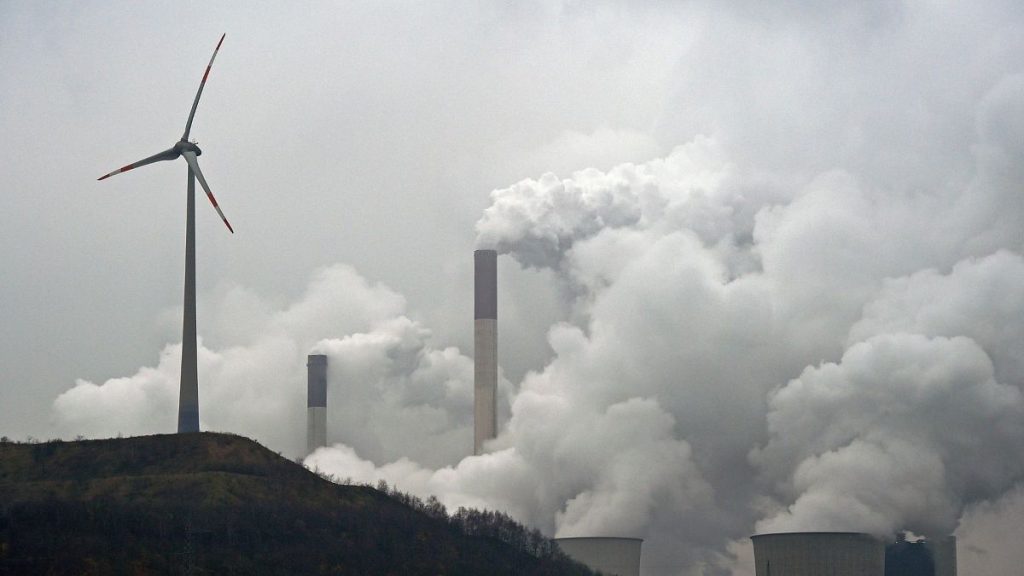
118 171
212 199
228 225
207 73
221 41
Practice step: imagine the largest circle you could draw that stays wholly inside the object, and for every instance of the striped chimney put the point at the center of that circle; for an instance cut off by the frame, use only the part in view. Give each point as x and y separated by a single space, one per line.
316 419
485 348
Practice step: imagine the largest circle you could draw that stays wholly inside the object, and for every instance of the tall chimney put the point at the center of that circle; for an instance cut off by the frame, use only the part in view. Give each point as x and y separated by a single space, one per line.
485 348
316 418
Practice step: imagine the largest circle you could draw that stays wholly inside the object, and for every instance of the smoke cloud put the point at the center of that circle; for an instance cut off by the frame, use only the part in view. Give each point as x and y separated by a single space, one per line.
901 433
711 300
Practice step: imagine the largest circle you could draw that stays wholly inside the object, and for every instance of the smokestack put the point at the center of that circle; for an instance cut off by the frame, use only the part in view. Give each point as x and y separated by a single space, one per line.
316 418
485 348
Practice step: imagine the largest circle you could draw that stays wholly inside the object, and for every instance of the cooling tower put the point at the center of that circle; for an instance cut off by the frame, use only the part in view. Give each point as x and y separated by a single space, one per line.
608 555
316 394
485 348
818 554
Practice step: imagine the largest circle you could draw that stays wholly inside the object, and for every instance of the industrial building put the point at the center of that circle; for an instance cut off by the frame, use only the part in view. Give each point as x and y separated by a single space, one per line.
485 348
921 557
316 402
607 555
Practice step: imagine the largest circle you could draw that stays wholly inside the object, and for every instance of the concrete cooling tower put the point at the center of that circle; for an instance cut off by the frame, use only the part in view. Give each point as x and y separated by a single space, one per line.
485 348
608 555
818 554
316 402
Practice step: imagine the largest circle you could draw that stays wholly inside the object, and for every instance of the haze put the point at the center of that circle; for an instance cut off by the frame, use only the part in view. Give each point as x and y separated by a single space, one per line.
761 266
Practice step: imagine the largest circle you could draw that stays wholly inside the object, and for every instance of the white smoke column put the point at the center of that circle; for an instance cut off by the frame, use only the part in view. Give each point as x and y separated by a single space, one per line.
539 221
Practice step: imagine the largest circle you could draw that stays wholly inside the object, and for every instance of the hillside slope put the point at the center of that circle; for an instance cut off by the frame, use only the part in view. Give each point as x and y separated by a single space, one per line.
219 504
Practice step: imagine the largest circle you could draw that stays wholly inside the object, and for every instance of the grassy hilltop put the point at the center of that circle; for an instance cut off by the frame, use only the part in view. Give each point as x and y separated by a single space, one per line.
222 504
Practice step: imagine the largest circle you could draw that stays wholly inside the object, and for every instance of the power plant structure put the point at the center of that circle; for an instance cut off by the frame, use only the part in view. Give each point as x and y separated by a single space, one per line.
610 556
943 553
851 554
818 554
485 348
316 402
921 558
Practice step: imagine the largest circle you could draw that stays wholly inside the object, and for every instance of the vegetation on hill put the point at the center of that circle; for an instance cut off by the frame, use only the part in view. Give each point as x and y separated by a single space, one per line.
222 504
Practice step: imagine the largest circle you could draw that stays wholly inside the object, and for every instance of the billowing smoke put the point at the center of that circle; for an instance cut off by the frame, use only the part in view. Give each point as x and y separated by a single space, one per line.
830 359
901 433
393 395
743 358
930 383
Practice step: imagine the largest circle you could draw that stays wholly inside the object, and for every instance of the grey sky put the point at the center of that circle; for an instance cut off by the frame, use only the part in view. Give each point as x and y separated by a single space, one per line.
845 206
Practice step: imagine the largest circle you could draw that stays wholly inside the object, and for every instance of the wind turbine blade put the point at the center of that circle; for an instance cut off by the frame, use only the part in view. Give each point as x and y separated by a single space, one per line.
190 157
169 154
195 103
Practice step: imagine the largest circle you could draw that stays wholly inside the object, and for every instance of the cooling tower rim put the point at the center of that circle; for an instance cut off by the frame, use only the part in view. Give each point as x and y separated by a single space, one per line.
598 538
800 534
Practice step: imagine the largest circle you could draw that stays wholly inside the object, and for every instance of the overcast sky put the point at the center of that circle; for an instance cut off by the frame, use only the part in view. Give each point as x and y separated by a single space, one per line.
762 266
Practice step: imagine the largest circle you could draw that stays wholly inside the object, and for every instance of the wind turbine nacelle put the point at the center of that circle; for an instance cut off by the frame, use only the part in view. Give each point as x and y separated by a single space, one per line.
186 146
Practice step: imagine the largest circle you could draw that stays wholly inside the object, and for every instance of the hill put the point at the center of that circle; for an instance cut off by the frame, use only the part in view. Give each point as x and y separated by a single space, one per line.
222 504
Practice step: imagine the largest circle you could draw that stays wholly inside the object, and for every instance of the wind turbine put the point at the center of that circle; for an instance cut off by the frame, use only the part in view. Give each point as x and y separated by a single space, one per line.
188 395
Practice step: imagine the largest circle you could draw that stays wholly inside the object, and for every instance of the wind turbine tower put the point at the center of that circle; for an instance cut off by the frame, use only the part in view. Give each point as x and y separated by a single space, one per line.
188 396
